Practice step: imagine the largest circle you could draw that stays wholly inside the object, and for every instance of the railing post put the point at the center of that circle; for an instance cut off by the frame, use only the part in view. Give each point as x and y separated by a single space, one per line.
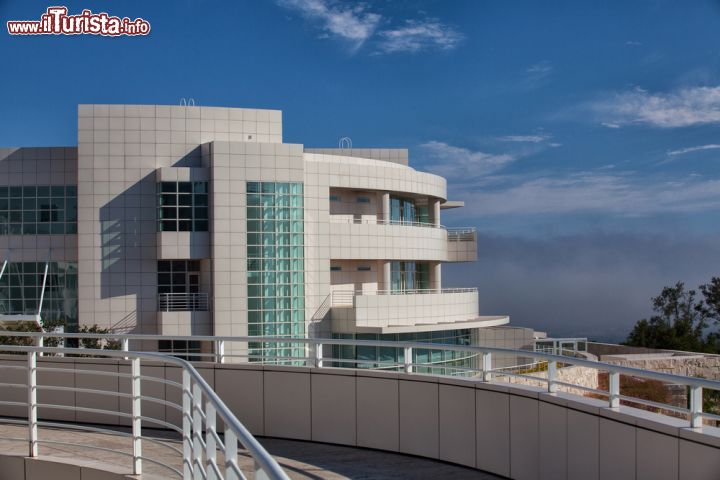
125 345
407 359
696 407
220 351
40 342
552 376
614 389
136 416
210 446
187 425
318 355
231 451
487 367
32 404
197 431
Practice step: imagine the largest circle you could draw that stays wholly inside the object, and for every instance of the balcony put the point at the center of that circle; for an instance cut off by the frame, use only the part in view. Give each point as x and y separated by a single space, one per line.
386 311
183 314
370 238
462 244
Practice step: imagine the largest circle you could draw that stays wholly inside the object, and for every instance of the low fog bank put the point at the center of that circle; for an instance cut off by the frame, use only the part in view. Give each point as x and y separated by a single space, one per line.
594 286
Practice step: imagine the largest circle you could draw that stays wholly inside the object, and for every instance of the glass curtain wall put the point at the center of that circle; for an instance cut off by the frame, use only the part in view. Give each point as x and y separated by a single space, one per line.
275 264
38 210
406 276
21 286
438 362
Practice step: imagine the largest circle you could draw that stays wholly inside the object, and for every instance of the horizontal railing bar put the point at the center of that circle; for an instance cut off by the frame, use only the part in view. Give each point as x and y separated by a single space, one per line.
14 385
631 371
650 403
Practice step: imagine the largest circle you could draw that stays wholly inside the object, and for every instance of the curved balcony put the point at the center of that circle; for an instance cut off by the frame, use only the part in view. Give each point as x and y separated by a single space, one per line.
385 311
462 244
375 239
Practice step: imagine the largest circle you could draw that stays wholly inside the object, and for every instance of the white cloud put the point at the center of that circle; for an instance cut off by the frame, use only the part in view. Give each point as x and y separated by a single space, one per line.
352 23
610 125
524 138
462 163
416 35
596 192
683 151
682 108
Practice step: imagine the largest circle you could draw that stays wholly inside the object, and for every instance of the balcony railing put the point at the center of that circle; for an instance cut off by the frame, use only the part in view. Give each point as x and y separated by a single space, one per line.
464 234
183 302
202 412
195 388
346 298
381 221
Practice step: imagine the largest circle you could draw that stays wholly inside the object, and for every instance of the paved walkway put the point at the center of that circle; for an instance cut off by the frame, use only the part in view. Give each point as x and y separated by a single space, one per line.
301 460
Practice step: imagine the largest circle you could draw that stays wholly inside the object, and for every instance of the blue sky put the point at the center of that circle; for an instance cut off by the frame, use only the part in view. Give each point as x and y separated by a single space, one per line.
581 124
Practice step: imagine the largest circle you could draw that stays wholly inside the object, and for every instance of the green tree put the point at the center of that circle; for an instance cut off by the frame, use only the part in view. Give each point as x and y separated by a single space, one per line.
681 320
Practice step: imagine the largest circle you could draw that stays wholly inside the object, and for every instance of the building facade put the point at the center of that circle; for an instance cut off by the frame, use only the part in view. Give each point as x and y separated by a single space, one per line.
178 220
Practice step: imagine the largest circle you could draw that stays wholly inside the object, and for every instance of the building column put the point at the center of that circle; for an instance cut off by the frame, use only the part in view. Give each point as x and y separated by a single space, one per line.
387 275
436 212
386 207
436 276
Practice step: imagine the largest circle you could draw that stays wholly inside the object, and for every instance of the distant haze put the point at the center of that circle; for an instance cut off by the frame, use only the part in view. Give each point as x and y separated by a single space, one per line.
594 286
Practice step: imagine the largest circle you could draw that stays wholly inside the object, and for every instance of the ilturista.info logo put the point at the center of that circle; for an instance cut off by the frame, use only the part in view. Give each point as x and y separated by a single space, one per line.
56 21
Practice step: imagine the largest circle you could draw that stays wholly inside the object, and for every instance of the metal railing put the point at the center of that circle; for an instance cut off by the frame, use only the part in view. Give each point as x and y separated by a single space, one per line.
464 234
315 348
347 297
342 218
200 408
183 302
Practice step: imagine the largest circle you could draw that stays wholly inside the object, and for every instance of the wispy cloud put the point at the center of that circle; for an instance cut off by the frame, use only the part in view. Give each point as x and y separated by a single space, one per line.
683 151
524 138
352 23
682 108
462 163
357 24
596 192
610 125
416 35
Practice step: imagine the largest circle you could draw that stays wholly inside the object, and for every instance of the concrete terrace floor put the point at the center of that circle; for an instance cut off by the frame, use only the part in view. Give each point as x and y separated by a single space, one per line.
301 460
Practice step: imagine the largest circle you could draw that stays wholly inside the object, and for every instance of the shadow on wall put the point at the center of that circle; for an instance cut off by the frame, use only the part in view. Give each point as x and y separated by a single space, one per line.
128 226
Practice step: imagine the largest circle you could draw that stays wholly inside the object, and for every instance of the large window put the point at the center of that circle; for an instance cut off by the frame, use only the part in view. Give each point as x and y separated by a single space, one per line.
21 286
38 210
178 276
409 276
439 362
275 266
183 207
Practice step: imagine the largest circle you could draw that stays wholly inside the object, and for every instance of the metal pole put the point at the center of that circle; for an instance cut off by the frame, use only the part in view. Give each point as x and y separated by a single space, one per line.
614 389
187 426
318 355
32 404
407 359
197 431
487 367
210 447
136 416
42 292
696 407
231 451
220 348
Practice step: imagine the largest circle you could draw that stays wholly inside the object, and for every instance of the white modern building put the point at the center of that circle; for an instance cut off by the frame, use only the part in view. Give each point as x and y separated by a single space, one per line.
184 220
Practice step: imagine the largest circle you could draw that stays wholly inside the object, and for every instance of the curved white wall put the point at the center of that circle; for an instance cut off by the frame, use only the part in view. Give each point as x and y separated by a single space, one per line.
372 241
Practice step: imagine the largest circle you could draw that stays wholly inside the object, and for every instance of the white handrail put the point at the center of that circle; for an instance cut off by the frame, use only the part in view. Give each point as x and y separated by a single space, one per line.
485 372
202 413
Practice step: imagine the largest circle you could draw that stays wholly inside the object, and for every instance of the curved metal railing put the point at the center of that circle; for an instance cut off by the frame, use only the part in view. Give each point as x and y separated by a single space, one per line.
200 410
224 349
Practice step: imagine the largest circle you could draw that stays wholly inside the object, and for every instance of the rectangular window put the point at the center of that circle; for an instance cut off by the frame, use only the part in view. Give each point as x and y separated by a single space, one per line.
182 207
335 198
38 210
335 268
364 268
363 200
